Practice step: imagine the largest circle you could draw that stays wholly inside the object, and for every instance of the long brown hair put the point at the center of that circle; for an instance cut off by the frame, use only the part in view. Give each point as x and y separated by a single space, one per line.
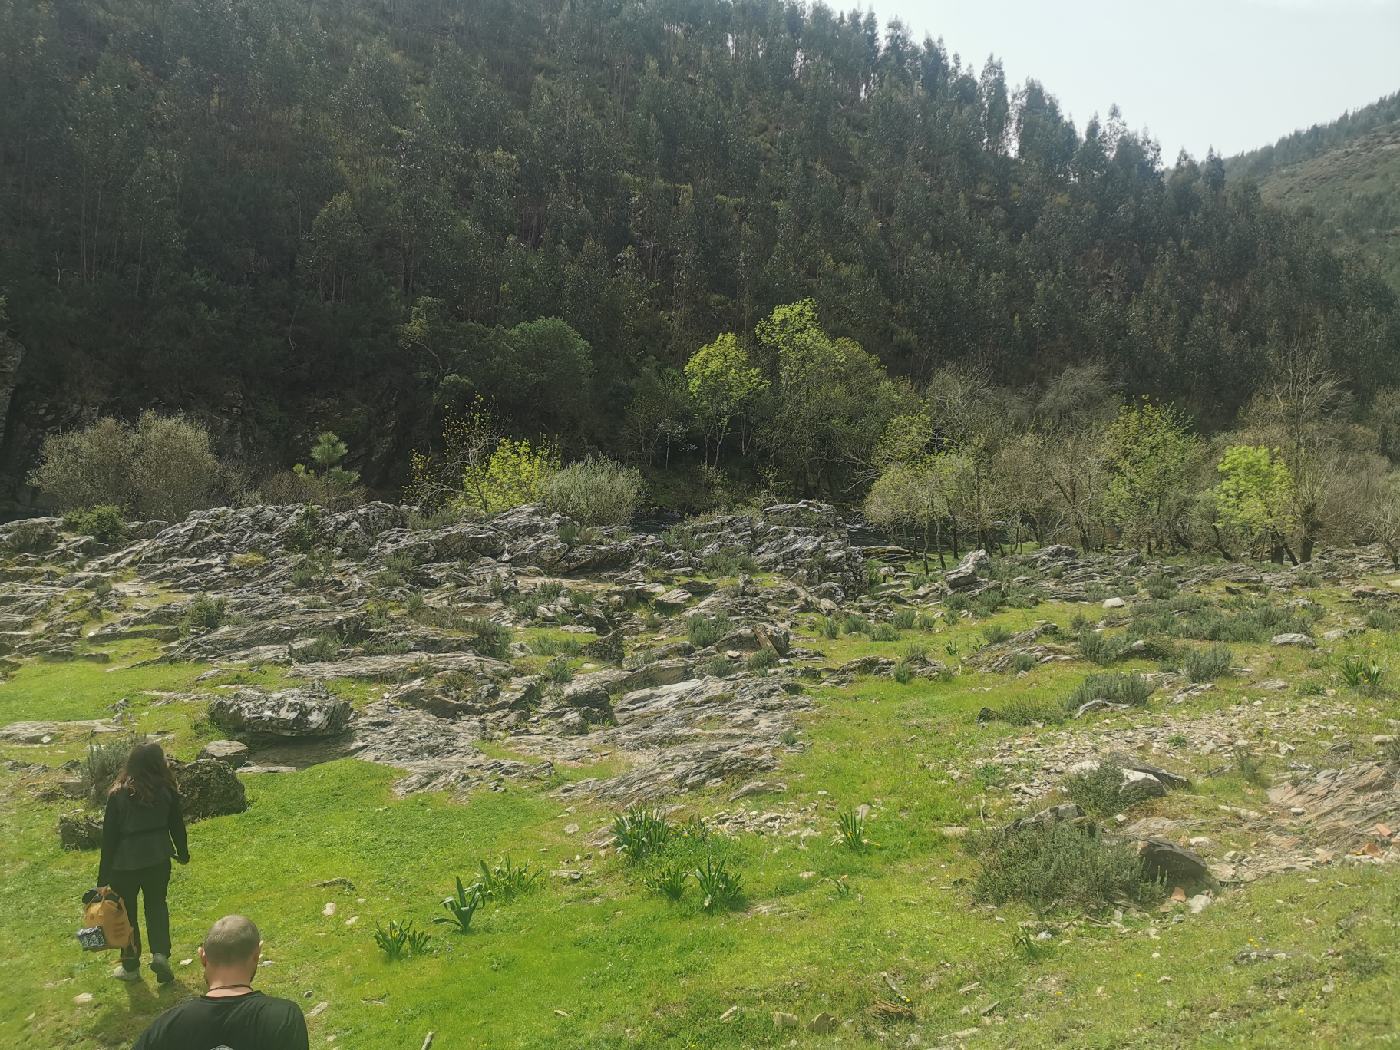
145 773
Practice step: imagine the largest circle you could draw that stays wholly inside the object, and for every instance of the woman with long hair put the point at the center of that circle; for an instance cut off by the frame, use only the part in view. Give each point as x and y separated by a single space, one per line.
142 829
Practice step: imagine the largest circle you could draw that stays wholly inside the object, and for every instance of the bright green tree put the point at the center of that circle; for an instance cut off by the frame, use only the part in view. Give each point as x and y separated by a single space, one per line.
512 475
722 382
1150 453
1255 498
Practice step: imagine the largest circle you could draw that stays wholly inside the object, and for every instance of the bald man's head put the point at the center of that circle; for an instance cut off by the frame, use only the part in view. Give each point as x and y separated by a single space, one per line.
232 941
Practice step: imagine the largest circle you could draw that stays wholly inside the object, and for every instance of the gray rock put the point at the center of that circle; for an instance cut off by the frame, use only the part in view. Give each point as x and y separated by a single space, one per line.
208 788
967 575
293 713
1302 641
1171 863
232 753
79 831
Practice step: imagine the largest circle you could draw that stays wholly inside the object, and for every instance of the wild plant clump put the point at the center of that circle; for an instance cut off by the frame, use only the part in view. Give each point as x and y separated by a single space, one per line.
722 889
1098 791
851 824
401 940
204 614
504 881
104 764
490 638
1061 866
641 833
1208 664
461 908
1362 674
1127 690
594 491
103 523
705 631
1102 648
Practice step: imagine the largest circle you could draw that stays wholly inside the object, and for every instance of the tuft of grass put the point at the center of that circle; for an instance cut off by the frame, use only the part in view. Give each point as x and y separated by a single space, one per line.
558 671
851 826
884 632
1102 648
762 660
504 881
669 881
995 634
490 638
1061 866
1098 791
203 614
641 833
828 627
904 620
1363 675
854 623
721 888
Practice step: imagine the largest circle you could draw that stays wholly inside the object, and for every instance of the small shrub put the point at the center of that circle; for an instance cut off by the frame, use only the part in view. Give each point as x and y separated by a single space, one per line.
1098 791
490 638
884 632
854 623
558 671
594 491
727 563
1062 865
669 881
1023 662
788 738
904 619
203 614
550 646
1101 648
104 764
1159 586
717 667
505 881
904 671
640 833
721 888
1022 712
309 571
851 825
828 627
1206 665
103 523
705 631
461 907
320 649
995 634
1249 767
400 940
1129 690
1383 620
762 660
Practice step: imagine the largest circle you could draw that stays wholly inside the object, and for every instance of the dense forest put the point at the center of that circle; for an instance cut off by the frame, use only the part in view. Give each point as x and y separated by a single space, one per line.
284 217
1344 175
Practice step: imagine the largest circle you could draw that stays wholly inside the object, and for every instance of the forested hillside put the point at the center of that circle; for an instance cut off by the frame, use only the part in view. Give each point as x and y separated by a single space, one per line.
282 217
1346 174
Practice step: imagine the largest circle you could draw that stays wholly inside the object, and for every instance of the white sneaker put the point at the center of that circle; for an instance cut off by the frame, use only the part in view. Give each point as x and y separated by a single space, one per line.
121 973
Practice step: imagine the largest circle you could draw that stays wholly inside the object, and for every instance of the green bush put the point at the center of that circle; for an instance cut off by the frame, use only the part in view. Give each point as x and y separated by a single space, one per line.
669 881
490 638
558 671
1362 674
203 614
854 623
884 632
1023 662
995 634
1102 648
1130 690
828 627
904 619
163 467
594 491
1206 665
503 882
718 666
320 649
1098 791
762 660
705 631
1058 866
1159 586
103 523
104 764
550 646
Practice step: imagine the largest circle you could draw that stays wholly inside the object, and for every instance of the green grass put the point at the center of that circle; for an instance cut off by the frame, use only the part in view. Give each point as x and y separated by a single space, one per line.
609 960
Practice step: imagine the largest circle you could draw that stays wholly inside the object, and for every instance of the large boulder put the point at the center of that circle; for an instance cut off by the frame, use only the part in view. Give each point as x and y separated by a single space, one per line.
79 831
967 575
208 788
232 753
289 713
1172 864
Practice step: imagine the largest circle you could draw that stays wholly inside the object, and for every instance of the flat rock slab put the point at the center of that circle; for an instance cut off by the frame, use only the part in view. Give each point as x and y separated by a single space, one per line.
296 713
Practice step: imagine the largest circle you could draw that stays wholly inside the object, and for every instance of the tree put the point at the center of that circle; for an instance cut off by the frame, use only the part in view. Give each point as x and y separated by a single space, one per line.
1150 453
910 498
723 383
1255 498
163 467
515 473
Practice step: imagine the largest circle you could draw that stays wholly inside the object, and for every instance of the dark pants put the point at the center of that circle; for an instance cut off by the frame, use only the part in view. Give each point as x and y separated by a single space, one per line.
151 883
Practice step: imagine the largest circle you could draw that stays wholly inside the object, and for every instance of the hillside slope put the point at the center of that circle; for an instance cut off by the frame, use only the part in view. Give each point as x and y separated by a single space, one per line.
1347 175
286 216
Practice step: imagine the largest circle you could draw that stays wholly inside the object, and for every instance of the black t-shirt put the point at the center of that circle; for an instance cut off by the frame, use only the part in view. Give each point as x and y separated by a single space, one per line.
239 1022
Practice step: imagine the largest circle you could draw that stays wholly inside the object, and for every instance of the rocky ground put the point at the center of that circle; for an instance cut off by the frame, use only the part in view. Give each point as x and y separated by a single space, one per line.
611 668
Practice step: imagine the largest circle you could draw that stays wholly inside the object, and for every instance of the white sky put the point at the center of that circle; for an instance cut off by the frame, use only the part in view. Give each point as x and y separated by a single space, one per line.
1233 74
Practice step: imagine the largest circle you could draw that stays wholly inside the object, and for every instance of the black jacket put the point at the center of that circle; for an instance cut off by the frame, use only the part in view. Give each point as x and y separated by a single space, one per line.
137 834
